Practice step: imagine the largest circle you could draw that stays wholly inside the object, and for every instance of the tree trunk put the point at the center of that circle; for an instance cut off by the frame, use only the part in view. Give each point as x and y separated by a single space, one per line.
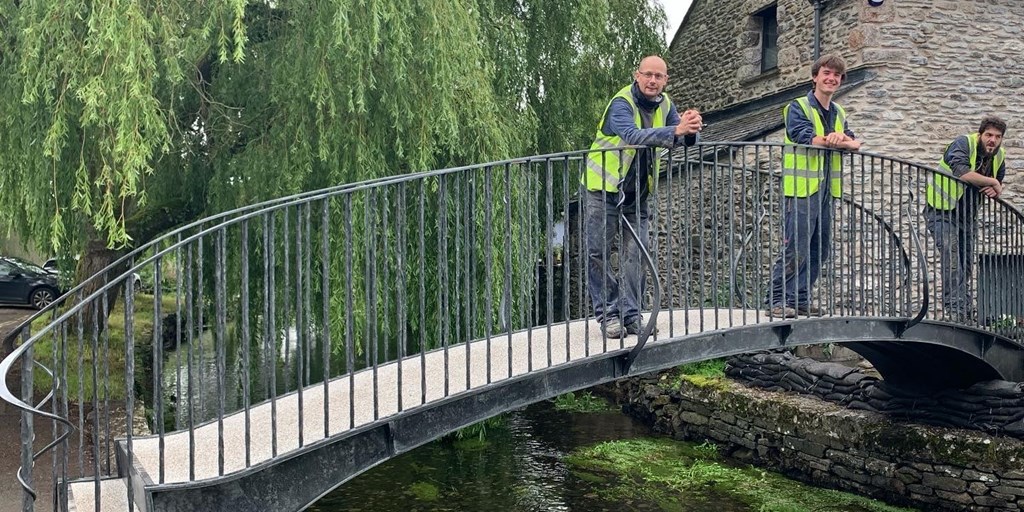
94 259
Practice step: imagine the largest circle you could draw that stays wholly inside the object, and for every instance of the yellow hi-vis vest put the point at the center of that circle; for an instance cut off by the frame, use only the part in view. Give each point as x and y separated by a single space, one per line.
606 168
944 192
802 168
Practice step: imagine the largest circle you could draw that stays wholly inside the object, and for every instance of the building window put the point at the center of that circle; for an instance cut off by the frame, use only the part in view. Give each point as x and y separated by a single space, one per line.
769 38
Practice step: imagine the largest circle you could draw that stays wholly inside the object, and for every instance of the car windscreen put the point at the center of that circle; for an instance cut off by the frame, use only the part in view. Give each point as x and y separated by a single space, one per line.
26 266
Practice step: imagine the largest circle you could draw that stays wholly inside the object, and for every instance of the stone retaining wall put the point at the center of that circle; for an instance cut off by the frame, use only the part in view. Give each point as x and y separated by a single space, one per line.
824 444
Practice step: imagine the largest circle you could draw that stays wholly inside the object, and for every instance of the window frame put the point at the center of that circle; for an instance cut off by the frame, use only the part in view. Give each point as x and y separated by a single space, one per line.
768 17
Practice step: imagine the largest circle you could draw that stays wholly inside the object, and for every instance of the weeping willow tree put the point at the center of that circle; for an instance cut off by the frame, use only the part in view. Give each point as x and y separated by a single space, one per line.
123 119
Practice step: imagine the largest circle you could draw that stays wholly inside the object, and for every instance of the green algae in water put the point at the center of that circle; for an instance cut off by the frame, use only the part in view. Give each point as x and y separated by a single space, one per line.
673 473
424 491
583 402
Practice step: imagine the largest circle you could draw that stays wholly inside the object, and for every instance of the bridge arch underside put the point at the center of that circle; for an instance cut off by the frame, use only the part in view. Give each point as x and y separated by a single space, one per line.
929 355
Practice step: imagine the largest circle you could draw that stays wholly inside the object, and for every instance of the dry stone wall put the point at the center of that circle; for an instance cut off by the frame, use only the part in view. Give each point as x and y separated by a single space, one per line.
824 444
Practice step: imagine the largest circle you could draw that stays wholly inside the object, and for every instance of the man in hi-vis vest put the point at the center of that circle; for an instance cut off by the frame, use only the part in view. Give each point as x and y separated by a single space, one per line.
979 161
811 178
616 184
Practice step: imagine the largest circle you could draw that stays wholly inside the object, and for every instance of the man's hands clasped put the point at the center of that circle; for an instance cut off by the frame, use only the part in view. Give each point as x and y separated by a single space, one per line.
689 123
840 140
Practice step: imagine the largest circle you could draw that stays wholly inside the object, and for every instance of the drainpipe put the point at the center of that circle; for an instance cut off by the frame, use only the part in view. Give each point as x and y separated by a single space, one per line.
817 27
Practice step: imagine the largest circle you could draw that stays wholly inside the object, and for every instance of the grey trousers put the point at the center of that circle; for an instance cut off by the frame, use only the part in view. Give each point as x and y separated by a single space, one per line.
807 244
954 241
614 294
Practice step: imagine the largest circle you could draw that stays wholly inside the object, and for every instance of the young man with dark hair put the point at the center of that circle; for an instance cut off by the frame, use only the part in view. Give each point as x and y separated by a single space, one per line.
811 178
978 160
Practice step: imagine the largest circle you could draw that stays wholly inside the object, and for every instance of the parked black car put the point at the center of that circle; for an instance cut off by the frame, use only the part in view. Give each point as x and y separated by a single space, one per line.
66 278
22 282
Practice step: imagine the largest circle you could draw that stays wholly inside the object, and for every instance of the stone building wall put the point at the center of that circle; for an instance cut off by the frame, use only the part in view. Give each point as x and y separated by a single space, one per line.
715 58
938 66
824 444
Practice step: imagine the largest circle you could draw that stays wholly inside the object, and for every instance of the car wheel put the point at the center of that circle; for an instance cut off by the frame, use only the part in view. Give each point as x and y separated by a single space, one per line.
41 297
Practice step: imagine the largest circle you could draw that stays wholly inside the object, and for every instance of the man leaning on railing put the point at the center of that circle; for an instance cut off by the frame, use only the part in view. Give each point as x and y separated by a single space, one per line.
810 179
979 160
616 185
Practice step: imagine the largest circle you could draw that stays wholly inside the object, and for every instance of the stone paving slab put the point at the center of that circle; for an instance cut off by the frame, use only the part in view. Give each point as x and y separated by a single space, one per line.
113 496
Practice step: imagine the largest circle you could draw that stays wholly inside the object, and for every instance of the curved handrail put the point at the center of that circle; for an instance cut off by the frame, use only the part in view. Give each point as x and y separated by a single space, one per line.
225 219
646 332
198 230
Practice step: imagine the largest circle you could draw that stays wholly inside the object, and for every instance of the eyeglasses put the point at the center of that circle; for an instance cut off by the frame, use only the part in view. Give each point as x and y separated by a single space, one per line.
650 74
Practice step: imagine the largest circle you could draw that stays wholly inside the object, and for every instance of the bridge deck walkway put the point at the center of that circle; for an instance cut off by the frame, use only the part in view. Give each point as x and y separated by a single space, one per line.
352 401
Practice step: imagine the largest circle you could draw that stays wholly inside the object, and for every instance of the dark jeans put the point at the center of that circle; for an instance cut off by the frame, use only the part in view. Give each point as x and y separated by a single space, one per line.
955 243
614 295
807 242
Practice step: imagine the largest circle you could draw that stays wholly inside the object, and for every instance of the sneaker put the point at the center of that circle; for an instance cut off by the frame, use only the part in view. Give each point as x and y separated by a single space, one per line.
613 328
638 325
809 310
783 312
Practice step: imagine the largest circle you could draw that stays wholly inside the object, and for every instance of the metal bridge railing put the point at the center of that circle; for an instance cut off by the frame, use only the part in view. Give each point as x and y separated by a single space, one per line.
265 329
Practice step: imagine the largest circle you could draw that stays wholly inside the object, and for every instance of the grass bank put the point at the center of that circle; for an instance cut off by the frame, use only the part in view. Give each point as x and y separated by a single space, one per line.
107 348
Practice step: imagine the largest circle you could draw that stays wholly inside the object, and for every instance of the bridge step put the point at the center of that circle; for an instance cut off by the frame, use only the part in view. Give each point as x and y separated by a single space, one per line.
113 496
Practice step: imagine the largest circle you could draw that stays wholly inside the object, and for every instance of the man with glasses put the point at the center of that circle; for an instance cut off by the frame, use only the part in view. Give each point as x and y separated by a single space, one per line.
615 188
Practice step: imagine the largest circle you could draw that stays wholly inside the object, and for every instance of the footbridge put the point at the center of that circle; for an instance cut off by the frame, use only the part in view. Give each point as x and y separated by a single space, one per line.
270 353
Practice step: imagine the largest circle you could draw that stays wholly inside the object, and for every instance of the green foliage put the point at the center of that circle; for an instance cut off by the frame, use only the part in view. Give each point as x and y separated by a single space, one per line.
124 120
582 403
477 432
701 373
110 350
677 474
424 491
113 108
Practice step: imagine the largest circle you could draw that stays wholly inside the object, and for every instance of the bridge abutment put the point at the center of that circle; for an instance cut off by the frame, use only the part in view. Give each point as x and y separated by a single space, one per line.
831 446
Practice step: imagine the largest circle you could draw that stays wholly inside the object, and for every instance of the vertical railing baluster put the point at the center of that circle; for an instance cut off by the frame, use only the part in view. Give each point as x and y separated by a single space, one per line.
192 339
158 363
246 341
325 322
270 227
129 383
350 361
307 314
400 285
286 316
549 272
299 356
177 330
80 348
488 265
508 293
27 423
716 235
442 299
460 283
220 341
201 326
96 455
369 271
563 259
423 289
104 313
